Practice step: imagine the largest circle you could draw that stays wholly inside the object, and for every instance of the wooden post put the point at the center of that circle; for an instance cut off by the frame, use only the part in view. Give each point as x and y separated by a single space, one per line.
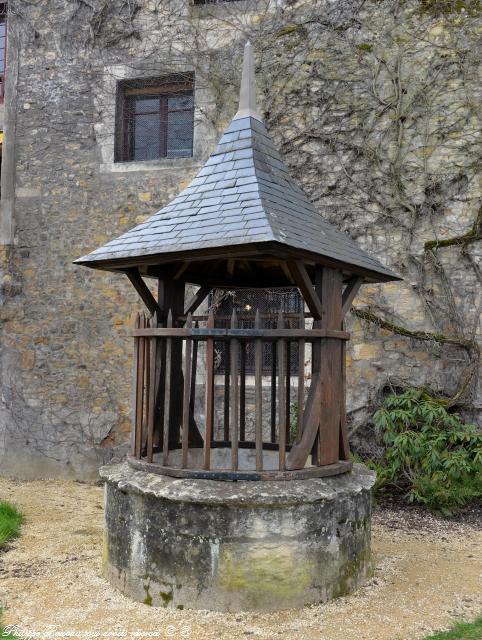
322 414
273 393
192 402
139 390
331 371
186 414
171 296
234 399
167 410
344 442
137 324
209 394
242 392
227 371
316 362
301 379
152 393
258 390
281 348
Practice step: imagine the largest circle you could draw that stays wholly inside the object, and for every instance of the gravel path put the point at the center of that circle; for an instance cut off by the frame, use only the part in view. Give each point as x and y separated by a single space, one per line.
428 574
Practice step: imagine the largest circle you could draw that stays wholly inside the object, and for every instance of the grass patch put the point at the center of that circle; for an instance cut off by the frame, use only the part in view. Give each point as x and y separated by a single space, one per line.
461 631
6 634
10 522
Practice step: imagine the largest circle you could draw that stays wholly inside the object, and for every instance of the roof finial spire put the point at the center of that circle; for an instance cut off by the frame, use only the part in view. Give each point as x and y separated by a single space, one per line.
247 95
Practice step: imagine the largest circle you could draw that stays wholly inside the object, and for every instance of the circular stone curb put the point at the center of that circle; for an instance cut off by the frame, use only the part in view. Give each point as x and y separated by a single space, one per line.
232 546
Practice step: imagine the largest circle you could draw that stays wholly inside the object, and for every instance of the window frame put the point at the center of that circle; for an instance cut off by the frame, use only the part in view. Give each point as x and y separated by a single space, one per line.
157 87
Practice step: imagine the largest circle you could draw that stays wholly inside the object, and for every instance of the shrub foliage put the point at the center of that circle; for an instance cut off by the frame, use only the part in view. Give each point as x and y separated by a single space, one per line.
430 454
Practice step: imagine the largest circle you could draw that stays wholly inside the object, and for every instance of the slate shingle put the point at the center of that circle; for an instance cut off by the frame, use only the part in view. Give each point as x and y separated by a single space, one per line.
243 194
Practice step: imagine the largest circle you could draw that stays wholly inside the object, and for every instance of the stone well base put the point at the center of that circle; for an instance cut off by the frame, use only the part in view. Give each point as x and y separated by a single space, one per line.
233 546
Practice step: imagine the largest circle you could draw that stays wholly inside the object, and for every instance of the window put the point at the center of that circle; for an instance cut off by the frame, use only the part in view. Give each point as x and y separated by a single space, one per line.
3 47
246 301
155 118
213 1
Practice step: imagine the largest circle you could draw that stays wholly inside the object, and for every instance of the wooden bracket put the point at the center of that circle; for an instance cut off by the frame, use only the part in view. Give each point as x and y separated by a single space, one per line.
303 282
144 292
196 299
350 292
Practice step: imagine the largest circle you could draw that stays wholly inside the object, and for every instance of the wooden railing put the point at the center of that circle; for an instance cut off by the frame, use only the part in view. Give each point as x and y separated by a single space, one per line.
193 421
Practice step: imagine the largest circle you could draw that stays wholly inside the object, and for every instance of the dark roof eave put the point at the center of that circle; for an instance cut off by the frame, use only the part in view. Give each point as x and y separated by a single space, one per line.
274 249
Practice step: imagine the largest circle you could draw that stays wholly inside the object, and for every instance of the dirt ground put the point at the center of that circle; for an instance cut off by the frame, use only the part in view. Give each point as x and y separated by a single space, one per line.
428 575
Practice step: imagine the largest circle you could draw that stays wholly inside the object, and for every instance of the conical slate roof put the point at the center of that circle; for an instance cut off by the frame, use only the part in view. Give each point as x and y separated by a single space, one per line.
243 195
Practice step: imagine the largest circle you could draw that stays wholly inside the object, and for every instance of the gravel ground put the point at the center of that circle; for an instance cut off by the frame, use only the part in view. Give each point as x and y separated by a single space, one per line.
428 575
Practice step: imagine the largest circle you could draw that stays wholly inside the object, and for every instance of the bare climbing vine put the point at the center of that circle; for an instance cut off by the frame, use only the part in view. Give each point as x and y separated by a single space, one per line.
375 106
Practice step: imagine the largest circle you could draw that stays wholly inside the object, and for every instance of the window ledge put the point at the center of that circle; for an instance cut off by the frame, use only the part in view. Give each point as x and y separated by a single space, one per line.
164 164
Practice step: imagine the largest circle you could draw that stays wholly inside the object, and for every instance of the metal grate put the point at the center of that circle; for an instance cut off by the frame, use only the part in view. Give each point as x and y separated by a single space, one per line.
246 302
155 119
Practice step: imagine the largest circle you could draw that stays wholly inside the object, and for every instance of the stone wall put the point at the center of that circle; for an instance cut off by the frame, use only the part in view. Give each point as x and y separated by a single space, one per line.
375 107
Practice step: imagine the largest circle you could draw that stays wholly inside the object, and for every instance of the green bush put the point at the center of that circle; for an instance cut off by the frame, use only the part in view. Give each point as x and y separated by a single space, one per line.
10 521
430 455
461 631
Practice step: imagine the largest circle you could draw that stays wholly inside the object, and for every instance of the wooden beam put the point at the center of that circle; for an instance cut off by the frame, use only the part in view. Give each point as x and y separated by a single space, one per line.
331 354
349 293
287 272
311 422
196 299
303 282
144 292
230 268
181 270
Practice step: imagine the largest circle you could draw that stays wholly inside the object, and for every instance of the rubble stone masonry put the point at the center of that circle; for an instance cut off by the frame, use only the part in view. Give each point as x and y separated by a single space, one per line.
375 107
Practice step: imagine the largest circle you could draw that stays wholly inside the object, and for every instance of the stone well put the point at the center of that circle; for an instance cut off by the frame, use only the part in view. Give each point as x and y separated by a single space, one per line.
231 546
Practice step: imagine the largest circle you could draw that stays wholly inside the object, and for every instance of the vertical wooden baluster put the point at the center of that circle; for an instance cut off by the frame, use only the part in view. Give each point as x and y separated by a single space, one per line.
258 390
273 393
167 397
227 372
147 378
140 390
301 379
344 442
234 395
186 393
192 401
137 324
152 392
160 388
281 348
288 390
316 363
209 394
242 392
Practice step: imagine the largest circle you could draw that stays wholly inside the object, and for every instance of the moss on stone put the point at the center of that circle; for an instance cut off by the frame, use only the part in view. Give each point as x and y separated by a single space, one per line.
266 574
105 548
365 46
167 597
290 28
148 599
438 8
348 577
